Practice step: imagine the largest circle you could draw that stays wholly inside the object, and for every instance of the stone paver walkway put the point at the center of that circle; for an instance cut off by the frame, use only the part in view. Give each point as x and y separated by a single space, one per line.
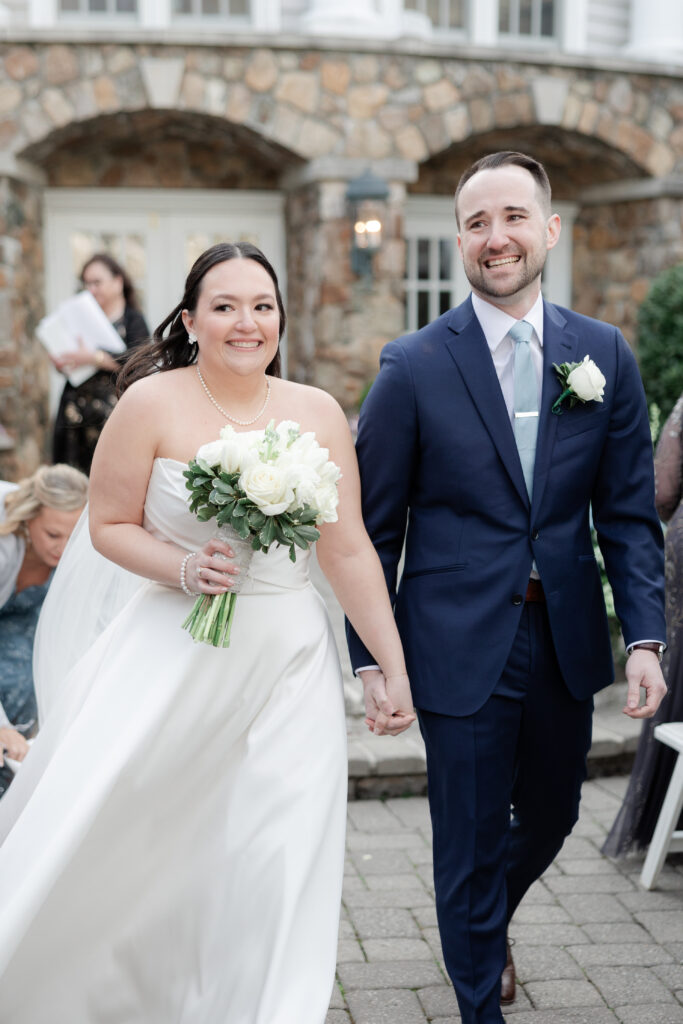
591 946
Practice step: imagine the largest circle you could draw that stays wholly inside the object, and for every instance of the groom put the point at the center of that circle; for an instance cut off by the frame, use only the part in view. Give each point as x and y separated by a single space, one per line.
466 454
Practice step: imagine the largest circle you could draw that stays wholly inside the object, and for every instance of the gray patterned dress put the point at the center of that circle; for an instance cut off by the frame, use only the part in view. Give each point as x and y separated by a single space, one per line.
654 763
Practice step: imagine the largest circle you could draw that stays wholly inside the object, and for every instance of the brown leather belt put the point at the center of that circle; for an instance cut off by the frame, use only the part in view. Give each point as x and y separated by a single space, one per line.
534 592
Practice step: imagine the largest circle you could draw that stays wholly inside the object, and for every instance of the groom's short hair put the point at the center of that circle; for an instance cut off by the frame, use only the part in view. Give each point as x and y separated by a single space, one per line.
504 158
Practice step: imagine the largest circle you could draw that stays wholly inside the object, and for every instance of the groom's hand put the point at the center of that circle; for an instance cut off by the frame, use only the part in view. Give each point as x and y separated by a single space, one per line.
642 670
388 703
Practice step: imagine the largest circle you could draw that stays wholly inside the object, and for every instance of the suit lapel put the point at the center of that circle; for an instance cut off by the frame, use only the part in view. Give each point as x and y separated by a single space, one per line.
559 346
468 348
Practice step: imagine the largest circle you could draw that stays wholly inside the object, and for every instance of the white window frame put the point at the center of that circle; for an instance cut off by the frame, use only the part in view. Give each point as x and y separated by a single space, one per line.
570 26
442 30
535 38
433 217
157 14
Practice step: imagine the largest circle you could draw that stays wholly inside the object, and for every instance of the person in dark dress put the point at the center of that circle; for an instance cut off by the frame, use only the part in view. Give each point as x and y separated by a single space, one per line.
37 516
83 410
635 823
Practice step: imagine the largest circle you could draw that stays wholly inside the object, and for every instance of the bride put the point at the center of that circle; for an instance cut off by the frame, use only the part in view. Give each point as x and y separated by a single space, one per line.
173 844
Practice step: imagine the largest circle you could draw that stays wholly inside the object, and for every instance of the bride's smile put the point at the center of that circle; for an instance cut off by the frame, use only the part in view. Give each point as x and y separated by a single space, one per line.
237 321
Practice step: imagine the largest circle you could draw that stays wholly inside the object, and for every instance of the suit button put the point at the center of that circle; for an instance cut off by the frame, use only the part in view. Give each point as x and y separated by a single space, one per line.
534 535
517 599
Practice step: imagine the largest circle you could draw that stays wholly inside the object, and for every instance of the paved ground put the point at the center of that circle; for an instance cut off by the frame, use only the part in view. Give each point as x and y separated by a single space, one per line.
591 946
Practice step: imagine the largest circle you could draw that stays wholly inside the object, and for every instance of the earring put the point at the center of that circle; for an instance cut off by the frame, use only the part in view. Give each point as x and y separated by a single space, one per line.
192 337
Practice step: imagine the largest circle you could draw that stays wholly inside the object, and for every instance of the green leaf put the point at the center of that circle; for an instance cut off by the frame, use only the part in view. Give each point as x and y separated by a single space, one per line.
267 534
256 518
308 533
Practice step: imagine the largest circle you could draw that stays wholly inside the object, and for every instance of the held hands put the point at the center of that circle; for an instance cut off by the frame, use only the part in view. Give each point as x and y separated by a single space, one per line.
388 703
208 571
13 744
642 669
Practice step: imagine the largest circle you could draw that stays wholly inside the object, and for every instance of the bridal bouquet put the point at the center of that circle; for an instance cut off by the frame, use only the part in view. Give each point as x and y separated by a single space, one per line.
262 487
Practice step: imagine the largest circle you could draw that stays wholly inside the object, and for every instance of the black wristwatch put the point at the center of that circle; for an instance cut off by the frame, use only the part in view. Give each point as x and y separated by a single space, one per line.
656 648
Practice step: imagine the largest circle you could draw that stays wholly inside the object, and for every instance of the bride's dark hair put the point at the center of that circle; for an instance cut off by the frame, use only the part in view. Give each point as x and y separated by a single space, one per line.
175 350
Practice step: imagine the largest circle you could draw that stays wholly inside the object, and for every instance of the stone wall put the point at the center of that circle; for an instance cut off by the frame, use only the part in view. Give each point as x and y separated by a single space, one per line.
23 363
305 120
618 249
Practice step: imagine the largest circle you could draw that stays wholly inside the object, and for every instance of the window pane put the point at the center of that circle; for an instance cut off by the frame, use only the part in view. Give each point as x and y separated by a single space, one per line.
97 5
422 309
68 5
410 5
445 253
444 302
504 16
182 6
126 6
456 14
548 18
240 8
209 6
525 17
423 259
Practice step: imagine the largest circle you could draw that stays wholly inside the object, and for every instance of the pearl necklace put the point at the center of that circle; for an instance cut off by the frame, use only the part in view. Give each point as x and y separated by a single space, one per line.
241 423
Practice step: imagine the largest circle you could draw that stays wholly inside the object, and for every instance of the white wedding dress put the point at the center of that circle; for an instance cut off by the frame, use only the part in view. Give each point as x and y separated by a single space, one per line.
173 844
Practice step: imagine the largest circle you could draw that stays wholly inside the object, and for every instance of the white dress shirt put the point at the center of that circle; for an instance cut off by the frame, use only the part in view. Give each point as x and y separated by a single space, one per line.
495 324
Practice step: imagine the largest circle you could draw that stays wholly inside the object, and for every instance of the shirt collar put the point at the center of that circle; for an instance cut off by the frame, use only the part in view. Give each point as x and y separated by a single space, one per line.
495 323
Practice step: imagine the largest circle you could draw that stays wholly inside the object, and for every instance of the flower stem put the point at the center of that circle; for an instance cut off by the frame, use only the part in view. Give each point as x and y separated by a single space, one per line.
557 404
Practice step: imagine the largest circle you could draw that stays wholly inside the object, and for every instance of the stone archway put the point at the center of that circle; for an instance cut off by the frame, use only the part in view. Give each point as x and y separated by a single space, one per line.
144 149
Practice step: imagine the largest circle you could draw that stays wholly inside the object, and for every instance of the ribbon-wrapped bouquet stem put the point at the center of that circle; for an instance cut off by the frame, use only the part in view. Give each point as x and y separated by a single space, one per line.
262 487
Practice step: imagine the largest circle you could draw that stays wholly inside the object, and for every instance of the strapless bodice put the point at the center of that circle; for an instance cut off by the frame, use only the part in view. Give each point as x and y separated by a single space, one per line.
168 517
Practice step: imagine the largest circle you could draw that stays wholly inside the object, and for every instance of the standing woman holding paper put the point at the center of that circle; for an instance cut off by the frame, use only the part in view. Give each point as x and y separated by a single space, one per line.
83 410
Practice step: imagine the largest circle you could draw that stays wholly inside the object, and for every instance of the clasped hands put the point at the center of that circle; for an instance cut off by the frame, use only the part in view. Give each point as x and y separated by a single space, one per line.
642 670
13 744
388 702
207 571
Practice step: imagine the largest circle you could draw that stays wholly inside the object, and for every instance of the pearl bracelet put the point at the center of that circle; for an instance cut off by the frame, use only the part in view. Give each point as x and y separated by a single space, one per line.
183 581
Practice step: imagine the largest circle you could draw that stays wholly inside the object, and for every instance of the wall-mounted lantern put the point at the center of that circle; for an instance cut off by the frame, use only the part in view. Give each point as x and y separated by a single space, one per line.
366 197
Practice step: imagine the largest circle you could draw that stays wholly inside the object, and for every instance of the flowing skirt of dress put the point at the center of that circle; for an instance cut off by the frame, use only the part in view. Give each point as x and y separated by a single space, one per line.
174 846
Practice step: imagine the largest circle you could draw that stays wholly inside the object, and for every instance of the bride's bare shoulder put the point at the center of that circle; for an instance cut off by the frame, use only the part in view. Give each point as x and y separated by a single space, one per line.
314 409
308 398
156 386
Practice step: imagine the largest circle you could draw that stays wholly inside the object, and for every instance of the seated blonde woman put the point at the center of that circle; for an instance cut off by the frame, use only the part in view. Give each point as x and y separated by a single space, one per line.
37 516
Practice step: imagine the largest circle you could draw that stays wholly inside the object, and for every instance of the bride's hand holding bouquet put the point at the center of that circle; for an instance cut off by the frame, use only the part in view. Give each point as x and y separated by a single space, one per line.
262 488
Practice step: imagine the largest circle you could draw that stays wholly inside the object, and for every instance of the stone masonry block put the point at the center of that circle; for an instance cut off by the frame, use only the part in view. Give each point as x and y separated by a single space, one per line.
621 985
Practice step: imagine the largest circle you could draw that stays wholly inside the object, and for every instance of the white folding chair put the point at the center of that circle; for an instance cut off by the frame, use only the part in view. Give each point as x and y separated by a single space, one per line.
665 838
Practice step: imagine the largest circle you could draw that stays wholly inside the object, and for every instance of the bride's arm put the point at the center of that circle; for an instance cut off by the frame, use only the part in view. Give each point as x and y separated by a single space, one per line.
119 478
350 562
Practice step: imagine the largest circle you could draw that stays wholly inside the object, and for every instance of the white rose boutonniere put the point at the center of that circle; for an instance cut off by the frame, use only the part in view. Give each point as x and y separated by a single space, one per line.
581 382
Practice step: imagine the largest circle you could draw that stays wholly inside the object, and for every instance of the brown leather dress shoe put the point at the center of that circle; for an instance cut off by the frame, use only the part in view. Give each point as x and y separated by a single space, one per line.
507 979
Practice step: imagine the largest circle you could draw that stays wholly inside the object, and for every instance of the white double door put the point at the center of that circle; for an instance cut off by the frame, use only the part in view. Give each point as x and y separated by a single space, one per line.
156 235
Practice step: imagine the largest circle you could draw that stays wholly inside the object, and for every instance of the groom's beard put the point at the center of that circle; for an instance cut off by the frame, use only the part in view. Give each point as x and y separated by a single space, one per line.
525 273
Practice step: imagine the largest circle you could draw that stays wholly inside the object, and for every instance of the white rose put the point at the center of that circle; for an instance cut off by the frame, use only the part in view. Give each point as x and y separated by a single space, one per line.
211 453
306 450
304 480
268 486
587 382
325 501
234 456
284 428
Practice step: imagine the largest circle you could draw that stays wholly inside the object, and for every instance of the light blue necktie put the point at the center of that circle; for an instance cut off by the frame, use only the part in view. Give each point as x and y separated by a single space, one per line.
525 399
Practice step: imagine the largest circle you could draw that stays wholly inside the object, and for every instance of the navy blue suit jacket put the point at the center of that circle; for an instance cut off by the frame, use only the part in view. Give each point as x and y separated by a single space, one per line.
439 467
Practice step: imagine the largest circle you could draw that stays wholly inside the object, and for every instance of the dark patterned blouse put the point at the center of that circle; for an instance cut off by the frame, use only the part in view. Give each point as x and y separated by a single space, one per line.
84 410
